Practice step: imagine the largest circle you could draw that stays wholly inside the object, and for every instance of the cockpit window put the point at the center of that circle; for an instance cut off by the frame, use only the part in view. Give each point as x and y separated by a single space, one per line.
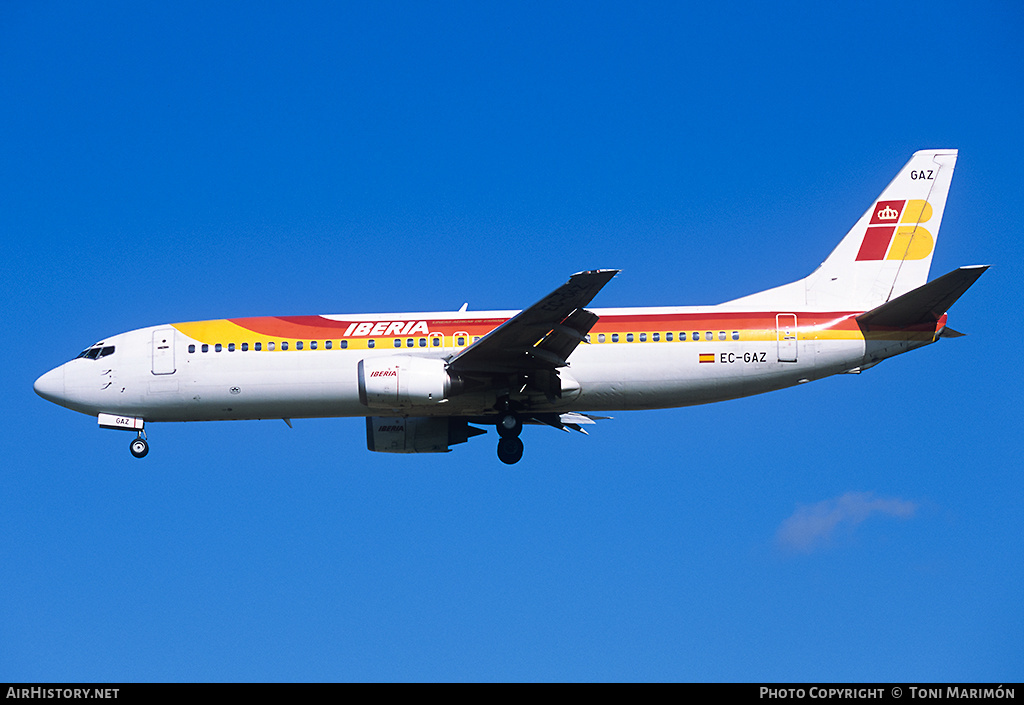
96 352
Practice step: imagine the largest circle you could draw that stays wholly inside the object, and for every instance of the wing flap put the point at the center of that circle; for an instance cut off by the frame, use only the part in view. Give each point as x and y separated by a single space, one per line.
565 336
563 422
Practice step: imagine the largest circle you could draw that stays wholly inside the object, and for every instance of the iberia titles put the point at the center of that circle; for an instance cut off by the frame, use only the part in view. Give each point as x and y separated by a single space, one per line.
384 329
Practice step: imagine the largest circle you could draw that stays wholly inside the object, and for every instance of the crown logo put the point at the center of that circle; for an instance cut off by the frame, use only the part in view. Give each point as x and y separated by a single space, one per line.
888 213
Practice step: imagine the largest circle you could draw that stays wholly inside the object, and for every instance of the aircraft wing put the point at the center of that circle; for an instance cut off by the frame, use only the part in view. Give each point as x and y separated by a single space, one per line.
541 337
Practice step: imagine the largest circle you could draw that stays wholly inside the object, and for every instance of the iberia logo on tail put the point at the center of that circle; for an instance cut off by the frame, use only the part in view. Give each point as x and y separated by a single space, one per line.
901 219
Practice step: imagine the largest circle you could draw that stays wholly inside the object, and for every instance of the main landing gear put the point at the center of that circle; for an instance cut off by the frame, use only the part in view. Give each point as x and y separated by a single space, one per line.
509 425
139 447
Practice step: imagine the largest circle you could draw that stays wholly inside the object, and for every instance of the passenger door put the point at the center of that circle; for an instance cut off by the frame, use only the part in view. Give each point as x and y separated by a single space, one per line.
163 351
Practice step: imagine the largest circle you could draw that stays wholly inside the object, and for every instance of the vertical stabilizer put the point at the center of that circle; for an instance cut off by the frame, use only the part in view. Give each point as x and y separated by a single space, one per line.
889 251
886 254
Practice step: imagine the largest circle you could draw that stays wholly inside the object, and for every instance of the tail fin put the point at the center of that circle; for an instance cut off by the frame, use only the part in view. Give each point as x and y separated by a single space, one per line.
887 253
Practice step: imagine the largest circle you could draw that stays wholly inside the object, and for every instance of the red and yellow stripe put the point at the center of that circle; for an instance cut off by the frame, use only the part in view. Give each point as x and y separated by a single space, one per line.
760 327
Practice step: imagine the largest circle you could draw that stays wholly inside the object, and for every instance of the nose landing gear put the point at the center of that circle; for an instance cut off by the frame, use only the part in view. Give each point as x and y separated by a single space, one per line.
139 447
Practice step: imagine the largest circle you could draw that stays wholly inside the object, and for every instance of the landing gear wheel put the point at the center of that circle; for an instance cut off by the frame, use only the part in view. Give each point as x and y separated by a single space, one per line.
139 447
509 425
510 450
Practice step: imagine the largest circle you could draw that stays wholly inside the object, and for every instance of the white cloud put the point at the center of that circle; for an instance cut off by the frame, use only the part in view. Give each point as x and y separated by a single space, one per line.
811 526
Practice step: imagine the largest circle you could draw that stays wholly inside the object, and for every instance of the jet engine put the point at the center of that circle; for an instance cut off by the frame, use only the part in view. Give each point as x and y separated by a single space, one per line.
402 382
417 434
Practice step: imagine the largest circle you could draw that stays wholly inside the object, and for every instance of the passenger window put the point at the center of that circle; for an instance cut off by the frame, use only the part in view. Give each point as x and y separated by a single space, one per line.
245 347
270 346
206 348
409 343
328 344
695 337
435 342
423 342
398 342
371 343
257 347
600 337
460 341
344 344
218 347
191 348
721 335
735 335
709 336
284 344
656 337
298 345
312 345
231 347
643 337
668 337
615 337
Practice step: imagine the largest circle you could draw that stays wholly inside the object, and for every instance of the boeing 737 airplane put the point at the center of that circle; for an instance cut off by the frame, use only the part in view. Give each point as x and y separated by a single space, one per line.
427 381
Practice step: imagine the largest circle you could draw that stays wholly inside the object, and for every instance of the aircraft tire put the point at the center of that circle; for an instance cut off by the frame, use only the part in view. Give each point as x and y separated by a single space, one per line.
509 425
510 450
139 447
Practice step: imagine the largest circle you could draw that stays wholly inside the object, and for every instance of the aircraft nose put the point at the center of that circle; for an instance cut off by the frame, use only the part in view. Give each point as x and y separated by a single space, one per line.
51 385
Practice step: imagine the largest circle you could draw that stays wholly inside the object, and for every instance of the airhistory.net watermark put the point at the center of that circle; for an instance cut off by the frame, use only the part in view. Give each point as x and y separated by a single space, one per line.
62 693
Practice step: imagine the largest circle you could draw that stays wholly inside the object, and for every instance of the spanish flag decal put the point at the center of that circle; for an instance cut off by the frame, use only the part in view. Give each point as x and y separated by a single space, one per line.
707 357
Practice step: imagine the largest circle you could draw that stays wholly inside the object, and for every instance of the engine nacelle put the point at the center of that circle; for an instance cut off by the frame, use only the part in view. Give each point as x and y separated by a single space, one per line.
401 382
417 434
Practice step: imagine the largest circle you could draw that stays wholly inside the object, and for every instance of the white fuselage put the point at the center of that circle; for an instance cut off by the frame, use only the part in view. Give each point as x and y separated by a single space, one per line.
173 384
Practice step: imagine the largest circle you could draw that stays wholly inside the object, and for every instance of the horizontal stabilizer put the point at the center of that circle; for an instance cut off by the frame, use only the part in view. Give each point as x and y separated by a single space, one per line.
926 303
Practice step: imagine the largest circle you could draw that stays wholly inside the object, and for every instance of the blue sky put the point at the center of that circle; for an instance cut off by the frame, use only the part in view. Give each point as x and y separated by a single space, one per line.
188 161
